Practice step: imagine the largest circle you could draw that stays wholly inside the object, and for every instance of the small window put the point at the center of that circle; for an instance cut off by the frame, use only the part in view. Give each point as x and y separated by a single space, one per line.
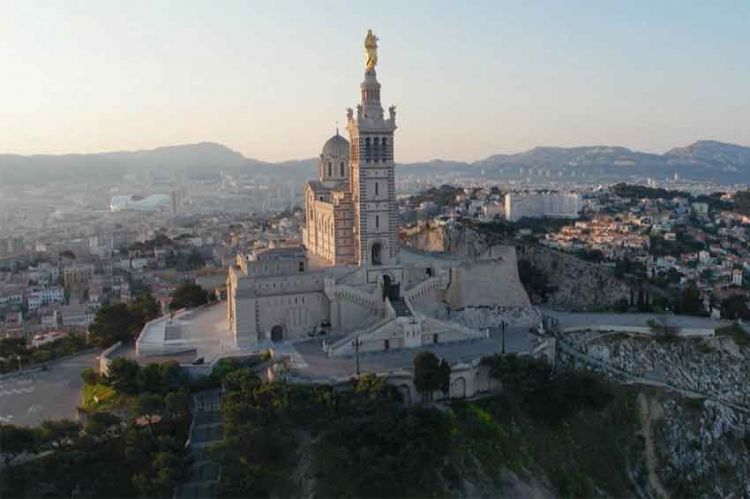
301 266
341 168
377 221
330 169
376 188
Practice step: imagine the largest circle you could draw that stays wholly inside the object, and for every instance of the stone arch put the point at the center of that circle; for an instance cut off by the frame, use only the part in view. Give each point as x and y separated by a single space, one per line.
277 332
459 387
376 253
405 392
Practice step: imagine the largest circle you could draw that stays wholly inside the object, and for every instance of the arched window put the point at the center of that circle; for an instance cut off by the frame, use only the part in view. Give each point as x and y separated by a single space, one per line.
341 169
375 149
330 169
384 149
368 150
375 256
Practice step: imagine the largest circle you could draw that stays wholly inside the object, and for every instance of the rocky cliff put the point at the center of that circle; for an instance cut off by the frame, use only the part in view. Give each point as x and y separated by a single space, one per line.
560 280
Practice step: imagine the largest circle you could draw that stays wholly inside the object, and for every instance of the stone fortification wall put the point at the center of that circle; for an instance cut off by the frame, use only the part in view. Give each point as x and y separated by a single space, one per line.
488 274
487 282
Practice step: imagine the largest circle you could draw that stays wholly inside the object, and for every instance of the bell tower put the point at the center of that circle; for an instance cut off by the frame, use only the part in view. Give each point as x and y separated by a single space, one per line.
372 176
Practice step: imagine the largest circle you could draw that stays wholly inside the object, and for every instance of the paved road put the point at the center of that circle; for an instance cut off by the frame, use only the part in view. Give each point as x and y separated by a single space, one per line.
572 319
29 399
316 364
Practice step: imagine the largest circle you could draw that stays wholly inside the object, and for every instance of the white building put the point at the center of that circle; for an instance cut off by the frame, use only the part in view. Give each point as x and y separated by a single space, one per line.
542 204
45 296
737 277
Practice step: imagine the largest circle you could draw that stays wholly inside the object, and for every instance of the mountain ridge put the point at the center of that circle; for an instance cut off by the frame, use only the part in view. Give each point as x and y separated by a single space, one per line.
703 159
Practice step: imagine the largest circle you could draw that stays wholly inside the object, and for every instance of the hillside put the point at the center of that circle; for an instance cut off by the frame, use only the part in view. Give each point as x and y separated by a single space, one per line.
702 160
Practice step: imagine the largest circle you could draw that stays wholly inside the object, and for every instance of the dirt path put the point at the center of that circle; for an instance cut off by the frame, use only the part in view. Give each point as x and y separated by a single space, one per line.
650 411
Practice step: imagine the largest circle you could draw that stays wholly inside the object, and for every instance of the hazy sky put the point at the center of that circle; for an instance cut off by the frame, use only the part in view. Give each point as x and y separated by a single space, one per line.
470 78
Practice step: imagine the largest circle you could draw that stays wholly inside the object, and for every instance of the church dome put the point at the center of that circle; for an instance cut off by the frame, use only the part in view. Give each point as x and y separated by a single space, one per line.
336 147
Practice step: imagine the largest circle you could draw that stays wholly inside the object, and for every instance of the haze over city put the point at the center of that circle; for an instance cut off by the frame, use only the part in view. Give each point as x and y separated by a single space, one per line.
319 249
271 79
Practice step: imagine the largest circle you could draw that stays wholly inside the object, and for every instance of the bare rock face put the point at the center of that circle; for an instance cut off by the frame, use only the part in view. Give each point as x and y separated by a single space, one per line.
704 450
574 284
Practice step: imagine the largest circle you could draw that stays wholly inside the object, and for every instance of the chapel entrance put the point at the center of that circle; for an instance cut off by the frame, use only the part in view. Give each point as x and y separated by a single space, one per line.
277 333
376 254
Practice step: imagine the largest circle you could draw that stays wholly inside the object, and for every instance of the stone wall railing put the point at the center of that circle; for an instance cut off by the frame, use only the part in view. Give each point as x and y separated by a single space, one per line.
431 284
359 297
105 358
687 332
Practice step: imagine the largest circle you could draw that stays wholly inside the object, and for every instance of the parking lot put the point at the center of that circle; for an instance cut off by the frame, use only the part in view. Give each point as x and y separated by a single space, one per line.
28 399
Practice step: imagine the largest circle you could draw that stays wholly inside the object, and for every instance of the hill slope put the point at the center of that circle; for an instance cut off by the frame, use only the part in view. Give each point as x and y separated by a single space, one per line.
701 160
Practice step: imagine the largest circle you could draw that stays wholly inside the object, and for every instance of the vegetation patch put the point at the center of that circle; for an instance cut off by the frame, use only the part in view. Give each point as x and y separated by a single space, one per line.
735 331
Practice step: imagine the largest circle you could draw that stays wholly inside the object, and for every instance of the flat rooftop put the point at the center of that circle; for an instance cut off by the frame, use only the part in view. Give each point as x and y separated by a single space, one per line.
204 329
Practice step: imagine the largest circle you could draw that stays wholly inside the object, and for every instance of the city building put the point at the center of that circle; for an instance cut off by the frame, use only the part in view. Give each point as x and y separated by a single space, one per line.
520 205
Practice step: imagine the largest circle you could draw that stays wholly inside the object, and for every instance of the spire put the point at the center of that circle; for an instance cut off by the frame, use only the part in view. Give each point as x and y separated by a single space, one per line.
370 87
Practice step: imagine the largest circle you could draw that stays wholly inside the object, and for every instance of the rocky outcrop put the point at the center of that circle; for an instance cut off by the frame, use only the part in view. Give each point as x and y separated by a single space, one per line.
574 284
704 449
702 433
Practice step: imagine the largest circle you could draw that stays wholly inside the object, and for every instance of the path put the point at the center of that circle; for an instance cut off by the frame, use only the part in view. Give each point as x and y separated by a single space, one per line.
649 411
206 429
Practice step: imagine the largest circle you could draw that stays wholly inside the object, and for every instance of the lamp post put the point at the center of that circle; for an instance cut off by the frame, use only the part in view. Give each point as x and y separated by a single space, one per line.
355 344
503 324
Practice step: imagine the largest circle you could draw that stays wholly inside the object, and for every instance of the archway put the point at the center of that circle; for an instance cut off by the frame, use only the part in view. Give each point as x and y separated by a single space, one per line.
460 388
405 392
277 333
376 254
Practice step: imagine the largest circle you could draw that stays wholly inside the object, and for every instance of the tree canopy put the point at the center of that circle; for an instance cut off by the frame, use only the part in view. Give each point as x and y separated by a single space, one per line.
188 296
121 321
430 374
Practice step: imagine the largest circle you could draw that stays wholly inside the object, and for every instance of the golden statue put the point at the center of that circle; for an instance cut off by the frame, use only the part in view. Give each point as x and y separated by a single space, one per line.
371 50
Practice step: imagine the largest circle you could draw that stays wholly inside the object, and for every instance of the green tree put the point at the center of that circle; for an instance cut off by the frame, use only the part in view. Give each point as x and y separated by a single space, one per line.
123 375
444 376
690 302
177 404
99 423
430 375
114 323
89 376
735 307
149 378
59 433
146 307
14 441
172 377
188 296
520 374
149 406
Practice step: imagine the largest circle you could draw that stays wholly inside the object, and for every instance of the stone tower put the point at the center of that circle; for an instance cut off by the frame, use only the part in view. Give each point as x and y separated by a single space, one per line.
372 173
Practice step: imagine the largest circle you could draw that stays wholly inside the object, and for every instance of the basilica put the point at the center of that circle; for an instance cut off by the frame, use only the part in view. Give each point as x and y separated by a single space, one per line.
348 278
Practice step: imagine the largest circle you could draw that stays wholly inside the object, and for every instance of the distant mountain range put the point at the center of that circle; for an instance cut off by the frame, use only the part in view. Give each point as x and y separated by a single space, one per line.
703 160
